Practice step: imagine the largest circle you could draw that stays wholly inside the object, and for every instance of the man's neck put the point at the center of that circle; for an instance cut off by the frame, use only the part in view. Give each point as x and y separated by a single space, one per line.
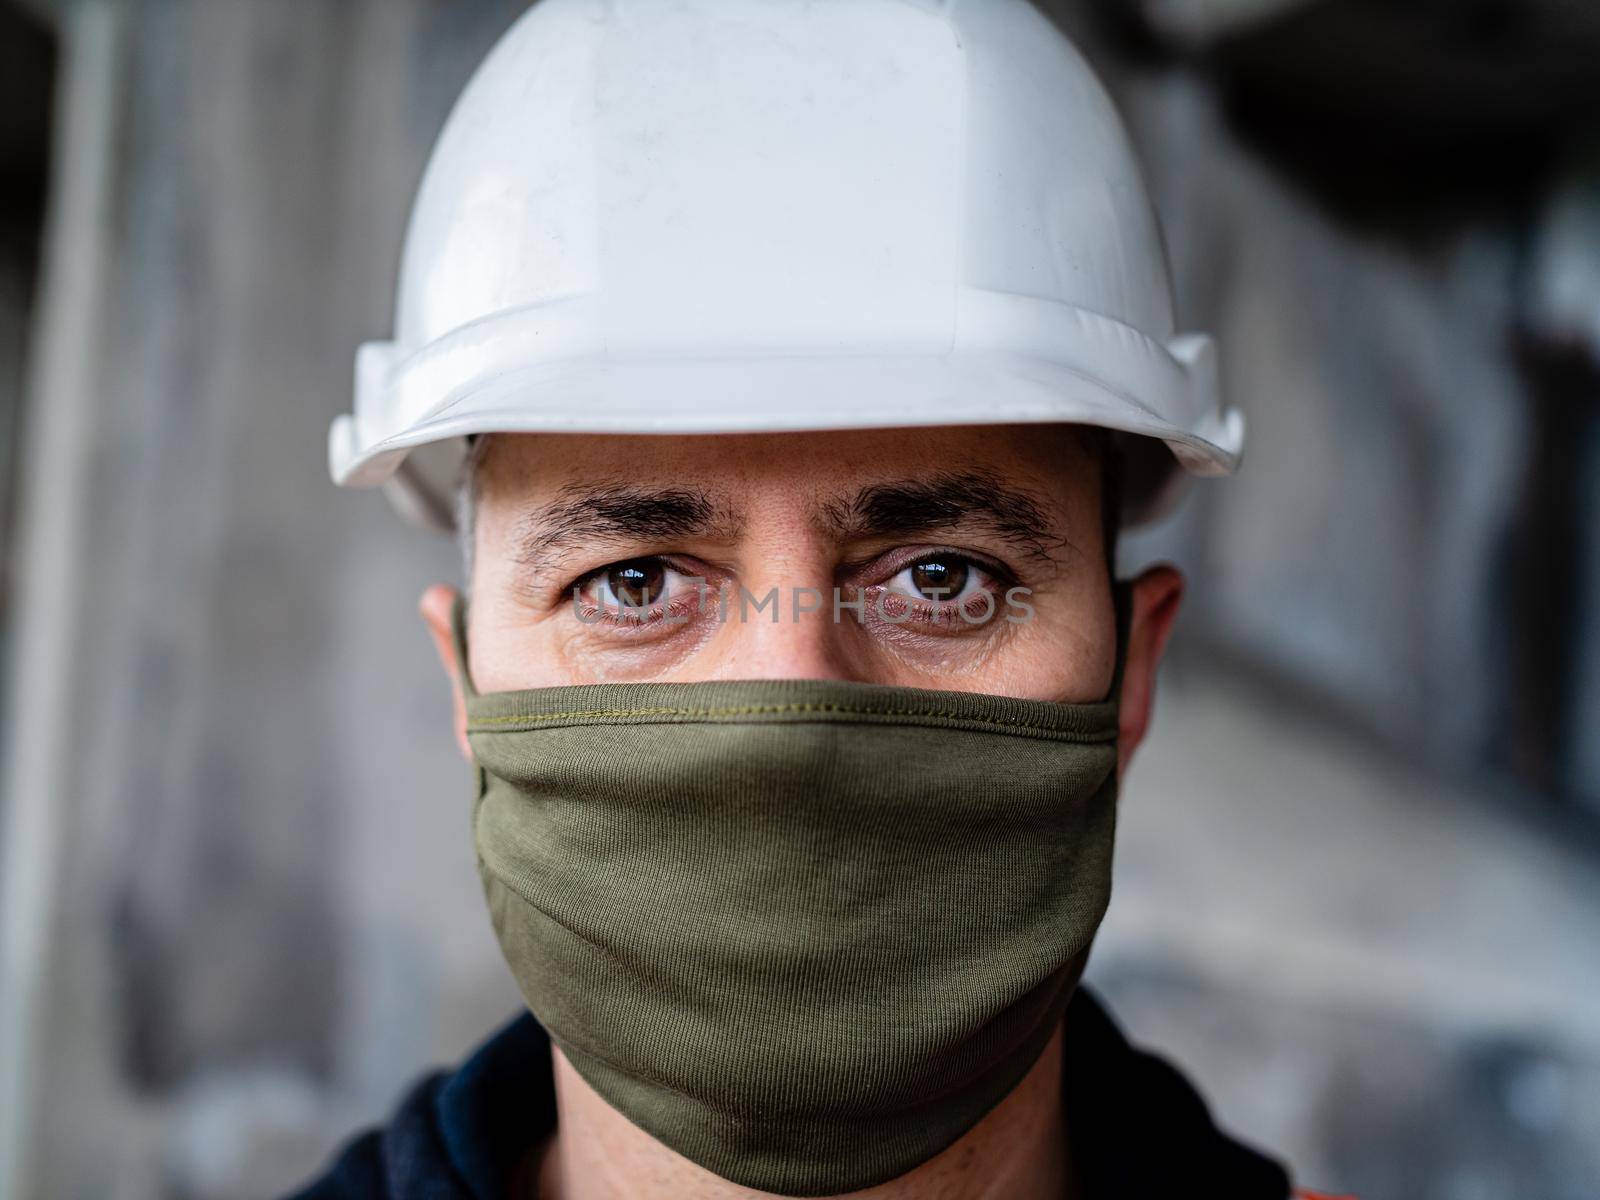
1019 1151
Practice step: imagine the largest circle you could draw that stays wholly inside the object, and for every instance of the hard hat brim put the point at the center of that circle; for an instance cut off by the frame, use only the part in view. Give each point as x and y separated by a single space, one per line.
502 380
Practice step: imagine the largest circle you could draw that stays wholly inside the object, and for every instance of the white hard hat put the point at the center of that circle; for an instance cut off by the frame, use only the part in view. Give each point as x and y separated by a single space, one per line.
723 216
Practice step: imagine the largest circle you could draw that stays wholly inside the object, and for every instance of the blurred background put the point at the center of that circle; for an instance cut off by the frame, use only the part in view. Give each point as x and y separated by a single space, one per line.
1358 890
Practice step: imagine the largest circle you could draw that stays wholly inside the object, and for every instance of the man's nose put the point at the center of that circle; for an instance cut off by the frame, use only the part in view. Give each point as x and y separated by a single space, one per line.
787 632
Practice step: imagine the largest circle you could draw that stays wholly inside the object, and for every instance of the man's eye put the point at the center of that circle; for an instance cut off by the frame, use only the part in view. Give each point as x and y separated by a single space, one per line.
638 583
941 578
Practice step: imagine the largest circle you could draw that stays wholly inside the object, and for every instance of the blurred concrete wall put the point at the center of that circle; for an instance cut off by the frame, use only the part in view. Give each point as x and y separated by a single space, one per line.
27 89
248 755
239 907
1390 213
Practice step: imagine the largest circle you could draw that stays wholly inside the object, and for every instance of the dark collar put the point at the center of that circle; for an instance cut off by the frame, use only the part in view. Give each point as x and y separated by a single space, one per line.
1138 1128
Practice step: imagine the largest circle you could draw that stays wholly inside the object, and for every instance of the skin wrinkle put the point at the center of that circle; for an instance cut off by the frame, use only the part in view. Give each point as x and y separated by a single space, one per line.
617 508
772 496
597 514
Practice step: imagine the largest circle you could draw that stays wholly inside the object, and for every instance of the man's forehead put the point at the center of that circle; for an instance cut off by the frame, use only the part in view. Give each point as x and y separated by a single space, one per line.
736 471
625 491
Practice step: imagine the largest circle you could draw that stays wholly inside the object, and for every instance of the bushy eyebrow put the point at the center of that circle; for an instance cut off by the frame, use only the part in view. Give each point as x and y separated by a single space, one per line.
947 500
586 514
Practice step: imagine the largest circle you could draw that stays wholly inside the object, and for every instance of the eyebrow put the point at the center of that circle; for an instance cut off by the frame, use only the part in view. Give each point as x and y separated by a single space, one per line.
945 500
584 514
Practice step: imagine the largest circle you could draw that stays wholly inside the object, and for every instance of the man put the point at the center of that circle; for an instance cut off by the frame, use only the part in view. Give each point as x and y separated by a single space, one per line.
799 361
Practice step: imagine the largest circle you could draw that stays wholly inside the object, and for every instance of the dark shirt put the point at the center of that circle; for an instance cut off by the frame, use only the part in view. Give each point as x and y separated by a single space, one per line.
1138 1128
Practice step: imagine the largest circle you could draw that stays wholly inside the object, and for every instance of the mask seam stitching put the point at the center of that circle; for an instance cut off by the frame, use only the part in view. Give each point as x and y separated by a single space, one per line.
479 724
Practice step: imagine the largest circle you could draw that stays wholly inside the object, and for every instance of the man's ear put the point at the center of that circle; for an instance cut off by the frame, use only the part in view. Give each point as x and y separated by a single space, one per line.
1157 593
436 605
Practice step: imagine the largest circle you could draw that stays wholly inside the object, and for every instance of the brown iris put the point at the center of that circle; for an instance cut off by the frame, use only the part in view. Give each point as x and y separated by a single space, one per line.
939 578
637 584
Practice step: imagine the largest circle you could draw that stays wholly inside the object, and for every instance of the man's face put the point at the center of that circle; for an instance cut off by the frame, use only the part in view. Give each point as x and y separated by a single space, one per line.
968 559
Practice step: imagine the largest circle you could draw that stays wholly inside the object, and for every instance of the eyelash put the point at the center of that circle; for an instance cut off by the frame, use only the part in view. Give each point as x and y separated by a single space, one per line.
922 610
622 616
996 579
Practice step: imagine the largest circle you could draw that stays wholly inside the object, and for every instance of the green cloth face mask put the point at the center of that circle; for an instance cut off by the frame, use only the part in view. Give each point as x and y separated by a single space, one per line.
804 933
